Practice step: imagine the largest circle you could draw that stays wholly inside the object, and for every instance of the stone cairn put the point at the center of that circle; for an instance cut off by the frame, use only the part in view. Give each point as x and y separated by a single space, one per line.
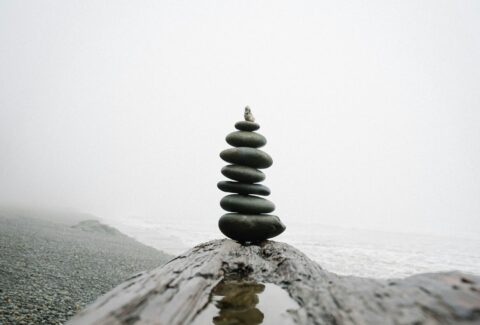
248 220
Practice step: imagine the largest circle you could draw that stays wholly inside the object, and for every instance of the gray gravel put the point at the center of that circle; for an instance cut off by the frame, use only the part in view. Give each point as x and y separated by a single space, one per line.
49 271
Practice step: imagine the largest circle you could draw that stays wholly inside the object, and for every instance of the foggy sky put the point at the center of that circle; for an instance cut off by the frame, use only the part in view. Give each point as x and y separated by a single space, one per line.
120 108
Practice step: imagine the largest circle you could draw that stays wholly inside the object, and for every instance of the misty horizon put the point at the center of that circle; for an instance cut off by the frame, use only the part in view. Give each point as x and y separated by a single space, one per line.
371 111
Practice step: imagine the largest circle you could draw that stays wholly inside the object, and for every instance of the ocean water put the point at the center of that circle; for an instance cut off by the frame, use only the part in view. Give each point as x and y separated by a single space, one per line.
345 251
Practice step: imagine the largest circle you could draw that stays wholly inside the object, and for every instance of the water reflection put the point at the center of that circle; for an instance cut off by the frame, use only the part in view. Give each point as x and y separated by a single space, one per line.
240 301
236 302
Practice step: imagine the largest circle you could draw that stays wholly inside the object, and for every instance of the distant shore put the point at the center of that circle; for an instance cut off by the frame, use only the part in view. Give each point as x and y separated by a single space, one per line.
50 270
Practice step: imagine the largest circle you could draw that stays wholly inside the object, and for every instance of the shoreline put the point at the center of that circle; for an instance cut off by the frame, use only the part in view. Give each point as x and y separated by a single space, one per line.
342 250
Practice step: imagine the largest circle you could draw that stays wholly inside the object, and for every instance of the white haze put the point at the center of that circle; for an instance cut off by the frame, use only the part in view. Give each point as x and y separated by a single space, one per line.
120 108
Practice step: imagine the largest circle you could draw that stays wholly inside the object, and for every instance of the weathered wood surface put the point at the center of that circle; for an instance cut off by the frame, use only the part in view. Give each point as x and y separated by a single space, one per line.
176 292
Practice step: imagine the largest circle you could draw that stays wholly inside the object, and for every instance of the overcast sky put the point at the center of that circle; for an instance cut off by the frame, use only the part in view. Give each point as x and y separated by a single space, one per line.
371 109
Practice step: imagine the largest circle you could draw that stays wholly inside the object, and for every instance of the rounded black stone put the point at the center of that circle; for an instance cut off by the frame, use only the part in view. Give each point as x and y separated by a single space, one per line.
250 228
247 126
246 139
243 174
243 188
247 156
246 204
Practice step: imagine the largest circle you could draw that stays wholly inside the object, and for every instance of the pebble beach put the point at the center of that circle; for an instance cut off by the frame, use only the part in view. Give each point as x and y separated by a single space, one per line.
49 271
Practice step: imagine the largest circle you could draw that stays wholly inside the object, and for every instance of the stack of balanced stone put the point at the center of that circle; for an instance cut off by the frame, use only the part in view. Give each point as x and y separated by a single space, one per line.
249 221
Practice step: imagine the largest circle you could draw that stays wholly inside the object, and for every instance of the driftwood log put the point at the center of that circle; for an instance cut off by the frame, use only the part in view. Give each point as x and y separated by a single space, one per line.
178 291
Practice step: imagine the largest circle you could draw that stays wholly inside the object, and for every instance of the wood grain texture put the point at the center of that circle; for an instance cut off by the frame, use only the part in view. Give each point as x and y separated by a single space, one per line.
176 292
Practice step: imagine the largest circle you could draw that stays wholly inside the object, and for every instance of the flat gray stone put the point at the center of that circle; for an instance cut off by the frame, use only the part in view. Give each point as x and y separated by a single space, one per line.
247 156
246 204
243 188
250 227
243 174
246 139
247 126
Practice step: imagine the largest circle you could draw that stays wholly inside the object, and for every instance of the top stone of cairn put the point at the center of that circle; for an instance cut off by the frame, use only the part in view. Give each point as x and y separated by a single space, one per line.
249 123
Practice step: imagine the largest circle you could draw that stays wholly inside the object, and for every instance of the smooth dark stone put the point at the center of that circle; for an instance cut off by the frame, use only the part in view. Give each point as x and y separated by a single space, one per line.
247 156
246 204
250 228
243 188
247 126
243 174
246 139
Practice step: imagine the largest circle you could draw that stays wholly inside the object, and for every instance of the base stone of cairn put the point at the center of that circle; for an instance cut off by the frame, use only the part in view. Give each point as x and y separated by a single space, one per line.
249 220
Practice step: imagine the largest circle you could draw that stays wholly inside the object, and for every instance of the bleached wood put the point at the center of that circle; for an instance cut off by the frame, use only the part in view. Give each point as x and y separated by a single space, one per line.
176 292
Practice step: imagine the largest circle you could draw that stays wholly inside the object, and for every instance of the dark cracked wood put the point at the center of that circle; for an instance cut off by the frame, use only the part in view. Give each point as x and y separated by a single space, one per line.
176 292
